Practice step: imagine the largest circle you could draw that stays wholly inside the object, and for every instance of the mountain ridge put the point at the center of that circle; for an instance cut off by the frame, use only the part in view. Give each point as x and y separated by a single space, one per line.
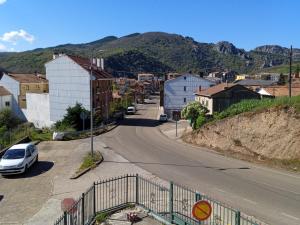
156 52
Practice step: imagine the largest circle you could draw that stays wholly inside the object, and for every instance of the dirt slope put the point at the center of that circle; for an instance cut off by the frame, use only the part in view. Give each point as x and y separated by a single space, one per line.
272 134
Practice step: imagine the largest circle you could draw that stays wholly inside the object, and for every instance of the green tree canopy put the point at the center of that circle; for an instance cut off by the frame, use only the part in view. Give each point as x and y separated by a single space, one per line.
193 110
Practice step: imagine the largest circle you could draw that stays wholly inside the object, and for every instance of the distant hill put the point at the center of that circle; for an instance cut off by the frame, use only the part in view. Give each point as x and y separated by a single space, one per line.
155 52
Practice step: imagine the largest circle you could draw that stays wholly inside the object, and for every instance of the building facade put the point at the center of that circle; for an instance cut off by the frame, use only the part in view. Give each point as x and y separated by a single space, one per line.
220 97
21 84
180 91
69 83
5 98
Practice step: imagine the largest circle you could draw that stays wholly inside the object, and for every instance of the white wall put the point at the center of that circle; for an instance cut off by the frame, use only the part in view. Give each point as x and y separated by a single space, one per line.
13 87
4 99
68 83
174 93
38 109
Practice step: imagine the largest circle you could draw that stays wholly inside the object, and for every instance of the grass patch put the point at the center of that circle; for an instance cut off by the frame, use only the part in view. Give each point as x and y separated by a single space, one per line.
89 161
101 217
40 135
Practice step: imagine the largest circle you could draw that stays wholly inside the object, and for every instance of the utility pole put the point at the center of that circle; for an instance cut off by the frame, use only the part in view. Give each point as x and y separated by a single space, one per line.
290 74
91 107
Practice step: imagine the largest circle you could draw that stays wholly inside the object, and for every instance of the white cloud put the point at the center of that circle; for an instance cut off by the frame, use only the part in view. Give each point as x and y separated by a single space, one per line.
2 2
14 36
3 48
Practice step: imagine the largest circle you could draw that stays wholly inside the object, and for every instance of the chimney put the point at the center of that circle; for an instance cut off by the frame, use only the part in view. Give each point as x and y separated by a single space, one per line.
98 62
102 63
199 88
55 55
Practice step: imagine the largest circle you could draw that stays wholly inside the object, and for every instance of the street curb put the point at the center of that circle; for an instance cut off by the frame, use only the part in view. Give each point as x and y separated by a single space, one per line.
77 175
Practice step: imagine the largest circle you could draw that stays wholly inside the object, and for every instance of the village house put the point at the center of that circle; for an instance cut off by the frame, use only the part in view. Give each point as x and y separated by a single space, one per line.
20 85
5 98
220 97
255 85
180 91
69 83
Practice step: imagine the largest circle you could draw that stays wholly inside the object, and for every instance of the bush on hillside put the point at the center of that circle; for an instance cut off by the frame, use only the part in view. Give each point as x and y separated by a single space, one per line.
192 111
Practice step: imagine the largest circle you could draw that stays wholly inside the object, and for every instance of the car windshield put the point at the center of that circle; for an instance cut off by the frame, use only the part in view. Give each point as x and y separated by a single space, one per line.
14 154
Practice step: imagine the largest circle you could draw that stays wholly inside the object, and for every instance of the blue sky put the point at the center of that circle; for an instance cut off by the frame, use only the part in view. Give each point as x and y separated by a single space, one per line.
29 24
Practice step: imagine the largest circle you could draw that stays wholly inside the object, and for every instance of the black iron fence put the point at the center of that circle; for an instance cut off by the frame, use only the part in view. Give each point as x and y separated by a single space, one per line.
170 203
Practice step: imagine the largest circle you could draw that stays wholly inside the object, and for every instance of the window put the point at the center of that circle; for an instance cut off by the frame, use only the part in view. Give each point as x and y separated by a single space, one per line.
184 100
206 103
184 78
37 86
184 88
27 87
7 104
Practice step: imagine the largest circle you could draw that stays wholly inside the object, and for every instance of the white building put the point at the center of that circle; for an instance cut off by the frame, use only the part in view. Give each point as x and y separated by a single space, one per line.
69 83
180 91
5 98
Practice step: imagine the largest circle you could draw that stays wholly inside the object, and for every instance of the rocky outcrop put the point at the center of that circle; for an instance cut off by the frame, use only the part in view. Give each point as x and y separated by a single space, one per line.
274 133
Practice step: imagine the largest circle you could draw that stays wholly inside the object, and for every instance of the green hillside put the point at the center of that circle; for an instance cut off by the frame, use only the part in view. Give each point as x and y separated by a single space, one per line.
153 52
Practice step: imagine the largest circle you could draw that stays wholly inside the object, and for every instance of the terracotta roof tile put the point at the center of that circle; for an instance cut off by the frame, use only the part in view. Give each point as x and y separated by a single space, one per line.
3 91
28 78
282 90
86 64
214 90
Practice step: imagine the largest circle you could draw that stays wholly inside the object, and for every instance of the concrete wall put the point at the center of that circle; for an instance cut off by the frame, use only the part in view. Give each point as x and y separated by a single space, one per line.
68 83
13 87
38 109
174 92
4 99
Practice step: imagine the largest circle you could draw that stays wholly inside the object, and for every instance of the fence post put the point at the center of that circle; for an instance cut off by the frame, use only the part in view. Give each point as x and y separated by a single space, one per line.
237 218
94 200
82 209
198 197
171 201
65 218
127 188
137 189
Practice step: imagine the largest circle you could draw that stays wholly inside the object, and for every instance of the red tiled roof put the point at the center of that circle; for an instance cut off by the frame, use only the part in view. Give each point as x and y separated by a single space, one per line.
3 91
86 64
282 90
214 90
28 78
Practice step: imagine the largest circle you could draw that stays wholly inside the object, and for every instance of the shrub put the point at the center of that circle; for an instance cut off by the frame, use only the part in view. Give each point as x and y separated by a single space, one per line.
192 111
201 120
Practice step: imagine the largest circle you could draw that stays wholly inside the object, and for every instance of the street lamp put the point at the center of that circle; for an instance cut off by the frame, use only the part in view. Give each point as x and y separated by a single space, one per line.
91 102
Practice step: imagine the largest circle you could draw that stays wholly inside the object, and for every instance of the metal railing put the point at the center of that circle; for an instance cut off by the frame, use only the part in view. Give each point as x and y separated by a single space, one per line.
170 203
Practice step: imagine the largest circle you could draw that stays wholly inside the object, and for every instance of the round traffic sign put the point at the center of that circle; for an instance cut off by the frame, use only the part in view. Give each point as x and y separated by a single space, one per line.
201 210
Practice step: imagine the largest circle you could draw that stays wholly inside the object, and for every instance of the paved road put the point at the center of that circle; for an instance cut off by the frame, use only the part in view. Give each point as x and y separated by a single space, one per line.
270 195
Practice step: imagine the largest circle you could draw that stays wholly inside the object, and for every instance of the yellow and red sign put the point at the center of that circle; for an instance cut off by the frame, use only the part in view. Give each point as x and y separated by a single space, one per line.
201 210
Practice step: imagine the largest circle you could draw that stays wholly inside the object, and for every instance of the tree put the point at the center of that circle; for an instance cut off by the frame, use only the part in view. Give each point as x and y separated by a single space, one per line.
7 119
192 111
72 118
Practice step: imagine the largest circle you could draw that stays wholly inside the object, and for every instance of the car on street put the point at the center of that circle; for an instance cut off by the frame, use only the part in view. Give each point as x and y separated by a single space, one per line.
163 118
131 110
18 159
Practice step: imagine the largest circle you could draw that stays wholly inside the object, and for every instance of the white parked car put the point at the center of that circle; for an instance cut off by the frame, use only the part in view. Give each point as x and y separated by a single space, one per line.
18 159
163 118
131 110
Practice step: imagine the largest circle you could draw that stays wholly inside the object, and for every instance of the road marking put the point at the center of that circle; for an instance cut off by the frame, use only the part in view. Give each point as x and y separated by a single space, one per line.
290 216
220 190
250 201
